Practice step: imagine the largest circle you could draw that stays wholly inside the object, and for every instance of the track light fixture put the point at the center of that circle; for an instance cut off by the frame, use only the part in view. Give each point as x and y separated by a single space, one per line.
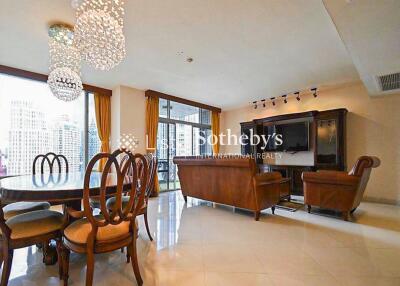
297 93
285 97
314 91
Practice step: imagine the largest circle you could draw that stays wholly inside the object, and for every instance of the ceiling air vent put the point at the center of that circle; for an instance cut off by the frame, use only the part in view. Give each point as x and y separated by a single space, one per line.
390 81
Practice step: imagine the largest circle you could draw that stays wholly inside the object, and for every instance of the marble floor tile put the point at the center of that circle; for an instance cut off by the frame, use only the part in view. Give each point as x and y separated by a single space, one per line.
201 243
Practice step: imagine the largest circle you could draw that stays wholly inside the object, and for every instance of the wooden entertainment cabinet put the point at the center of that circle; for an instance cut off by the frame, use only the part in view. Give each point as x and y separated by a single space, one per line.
327 144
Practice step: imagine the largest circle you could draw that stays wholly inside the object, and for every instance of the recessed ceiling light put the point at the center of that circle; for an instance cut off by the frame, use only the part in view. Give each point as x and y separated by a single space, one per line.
189 60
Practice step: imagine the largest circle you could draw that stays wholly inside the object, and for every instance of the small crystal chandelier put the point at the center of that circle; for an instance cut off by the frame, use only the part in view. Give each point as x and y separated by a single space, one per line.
99 32
64 78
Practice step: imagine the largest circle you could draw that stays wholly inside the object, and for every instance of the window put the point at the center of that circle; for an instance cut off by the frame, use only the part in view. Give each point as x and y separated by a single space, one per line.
182 129
34 122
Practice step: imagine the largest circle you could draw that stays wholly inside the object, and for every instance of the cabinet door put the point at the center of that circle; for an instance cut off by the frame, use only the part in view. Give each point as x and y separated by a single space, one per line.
246 148
327 142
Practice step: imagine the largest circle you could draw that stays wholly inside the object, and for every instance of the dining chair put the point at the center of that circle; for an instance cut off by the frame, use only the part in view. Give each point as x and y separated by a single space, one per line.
17 208
95 201
27 229
115 228
152 166
50 158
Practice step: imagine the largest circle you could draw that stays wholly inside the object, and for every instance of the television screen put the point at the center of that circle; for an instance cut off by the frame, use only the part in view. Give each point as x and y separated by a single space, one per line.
294 137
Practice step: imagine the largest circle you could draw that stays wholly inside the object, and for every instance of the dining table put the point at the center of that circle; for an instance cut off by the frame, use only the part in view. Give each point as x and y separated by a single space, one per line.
57 189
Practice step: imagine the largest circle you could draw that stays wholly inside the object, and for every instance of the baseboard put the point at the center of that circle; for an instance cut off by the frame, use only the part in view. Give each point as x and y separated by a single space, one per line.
382 201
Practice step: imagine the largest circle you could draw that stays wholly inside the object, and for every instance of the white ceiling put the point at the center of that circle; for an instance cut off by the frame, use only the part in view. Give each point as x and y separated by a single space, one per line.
370 30
242 50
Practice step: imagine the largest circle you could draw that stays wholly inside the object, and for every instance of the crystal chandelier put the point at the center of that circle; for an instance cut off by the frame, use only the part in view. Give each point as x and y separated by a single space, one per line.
99 32
64 78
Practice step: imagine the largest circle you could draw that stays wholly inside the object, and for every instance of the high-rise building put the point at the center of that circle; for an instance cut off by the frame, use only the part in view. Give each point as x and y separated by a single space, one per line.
3 166
28 136
32 133
67 141
93 139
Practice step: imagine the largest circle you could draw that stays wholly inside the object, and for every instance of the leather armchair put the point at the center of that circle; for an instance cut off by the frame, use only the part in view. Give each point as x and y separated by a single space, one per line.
336 190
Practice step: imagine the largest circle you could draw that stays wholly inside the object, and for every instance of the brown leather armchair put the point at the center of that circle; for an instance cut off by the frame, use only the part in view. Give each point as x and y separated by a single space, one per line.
336 190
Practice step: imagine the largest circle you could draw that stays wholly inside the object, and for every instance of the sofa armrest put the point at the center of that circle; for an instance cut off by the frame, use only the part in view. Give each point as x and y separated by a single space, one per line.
331 178
267 178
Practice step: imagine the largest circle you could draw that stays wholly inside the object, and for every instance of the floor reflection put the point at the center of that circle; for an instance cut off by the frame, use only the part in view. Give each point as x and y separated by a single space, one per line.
201 243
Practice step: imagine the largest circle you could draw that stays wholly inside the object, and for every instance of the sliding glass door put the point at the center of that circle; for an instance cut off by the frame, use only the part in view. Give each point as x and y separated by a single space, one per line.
180 128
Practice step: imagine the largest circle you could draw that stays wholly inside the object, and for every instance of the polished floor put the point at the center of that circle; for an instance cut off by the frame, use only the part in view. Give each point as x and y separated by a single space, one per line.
203 244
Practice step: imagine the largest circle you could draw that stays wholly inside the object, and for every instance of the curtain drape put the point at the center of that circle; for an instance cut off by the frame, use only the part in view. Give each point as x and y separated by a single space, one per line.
103 119
215 130
151 133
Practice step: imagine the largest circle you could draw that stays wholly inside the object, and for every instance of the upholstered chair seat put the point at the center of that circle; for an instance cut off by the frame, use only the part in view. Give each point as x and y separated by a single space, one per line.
125 200
94 203
78 231
18 208
35 223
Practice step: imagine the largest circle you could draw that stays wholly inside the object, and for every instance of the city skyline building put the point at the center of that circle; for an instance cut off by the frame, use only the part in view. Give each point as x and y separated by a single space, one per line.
28 136
31 133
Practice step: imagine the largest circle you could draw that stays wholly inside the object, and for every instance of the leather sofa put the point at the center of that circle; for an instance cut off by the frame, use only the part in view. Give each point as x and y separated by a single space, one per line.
229 181
337 190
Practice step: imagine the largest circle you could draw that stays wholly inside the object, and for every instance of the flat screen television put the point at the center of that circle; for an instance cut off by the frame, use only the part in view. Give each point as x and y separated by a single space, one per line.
295 137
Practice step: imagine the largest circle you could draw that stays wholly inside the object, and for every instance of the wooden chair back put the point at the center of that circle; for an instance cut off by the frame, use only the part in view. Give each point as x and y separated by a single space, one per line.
49 158
135 189
5 230
152 166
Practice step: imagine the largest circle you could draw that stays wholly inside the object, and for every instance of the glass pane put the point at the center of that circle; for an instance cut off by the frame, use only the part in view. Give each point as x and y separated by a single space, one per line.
183 140
206 148
172 153
94 143
327 141
35 122
162 155
201 141
196 141
184 112
163 108
205 116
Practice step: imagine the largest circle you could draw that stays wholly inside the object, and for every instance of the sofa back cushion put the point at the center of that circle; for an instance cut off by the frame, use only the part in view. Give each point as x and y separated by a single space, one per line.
221 180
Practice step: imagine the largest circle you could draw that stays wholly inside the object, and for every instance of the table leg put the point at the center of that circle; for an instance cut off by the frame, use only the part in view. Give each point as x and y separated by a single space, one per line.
49 248
49 253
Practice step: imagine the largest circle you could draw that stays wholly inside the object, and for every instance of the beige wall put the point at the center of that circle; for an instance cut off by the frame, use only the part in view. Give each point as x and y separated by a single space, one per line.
373 128
128 107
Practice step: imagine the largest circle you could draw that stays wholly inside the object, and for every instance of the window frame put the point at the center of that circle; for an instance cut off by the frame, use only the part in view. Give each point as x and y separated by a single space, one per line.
22 74
168 120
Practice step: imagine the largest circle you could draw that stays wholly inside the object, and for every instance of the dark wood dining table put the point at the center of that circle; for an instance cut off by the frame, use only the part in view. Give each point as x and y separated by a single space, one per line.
58 188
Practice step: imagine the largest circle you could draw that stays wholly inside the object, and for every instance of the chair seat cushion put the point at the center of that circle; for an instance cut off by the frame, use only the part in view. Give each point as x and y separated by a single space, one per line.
35 223
18 208
125 200
79 230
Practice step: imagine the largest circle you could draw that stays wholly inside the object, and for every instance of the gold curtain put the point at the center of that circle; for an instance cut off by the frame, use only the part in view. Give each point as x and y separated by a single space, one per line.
103 119
215 130
151 133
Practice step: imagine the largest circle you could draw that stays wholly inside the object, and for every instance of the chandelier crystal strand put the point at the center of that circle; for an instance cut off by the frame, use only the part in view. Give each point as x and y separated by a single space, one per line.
99 33
64 78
